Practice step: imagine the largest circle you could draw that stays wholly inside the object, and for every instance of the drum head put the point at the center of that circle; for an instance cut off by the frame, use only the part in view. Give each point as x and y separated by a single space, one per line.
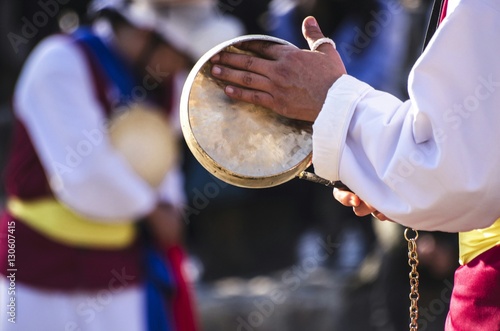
240 143
143 136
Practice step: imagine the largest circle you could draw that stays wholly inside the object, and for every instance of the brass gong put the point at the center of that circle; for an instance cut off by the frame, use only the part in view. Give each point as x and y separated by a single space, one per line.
240 143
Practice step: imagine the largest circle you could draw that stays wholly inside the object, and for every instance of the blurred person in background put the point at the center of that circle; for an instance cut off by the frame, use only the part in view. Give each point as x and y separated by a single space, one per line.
24 24
95 244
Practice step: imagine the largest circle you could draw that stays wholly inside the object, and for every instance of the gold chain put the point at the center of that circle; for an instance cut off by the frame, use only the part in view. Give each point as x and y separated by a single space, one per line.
414 277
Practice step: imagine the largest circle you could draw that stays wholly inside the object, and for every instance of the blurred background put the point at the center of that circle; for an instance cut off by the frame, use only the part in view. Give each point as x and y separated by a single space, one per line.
289 257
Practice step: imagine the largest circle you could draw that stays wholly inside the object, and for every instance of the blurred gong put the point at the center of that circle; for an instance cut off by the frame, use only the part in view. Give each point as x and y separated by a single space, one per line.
144 137
240 143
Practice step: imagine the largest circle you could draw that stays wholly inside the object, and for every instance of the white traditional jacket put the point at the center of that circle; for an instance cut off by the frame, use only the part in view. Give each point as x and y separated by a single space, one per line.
431 162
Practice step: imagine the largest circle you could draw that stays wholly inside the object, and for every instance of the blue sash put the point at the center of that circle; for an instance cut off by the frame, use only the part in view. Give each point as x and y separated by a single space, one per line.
114 66
159 282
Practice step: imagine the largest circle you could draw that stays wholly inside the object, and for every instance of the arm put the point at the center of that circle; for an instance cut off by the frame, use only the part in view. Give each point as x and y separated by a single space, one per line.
56 102
290 81
428 162
166 220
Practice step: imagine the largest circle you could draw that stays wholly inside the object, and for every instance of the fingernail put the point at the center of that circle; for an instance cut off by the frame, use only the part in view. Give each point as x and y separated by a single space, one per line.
312 22
215 58
216 70
229 90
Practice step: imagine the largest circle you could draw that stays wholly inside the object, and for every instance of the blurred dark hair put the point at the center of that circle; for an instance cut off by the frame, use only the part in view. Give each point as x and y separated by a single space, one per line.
114 17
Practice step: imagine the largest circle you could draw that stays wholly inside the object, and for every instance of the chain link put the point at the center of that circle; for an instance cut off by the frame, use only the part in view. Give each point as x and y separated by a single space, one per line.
411 237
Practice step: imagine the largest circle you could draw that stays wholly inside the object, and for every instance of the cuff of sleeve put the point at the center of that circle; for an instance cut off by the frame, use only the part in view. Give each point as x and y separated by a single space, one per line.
331 126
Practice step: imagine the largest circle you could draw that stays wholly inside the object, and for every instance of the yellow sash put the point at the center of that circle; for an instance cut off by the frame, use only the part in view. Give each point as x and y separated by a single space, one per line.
59 223
475 242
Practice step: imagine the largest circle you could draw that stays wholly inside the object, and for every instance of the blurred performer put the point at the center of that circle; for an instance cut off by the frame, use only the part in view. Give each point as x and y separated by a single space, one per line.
89 238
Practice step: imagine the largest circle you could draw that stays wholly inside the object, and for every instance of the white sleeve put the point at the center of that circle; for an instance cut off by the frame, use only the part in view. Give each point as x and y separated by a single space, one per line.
55 100
432 162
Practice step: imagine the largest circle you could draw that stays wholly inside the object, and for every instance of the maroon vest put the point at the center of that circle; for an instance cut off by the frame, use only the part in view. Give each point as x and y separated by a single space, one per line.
44 263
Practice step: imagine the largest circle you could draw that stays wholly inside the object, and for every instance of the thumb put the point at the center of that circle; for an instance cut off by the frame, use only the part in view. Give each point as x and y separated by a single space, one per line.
312 32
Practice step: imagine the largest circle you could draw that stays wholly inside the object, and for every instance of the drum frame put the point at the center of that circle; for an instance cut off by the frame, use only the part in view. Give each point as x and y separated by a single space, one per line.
202 156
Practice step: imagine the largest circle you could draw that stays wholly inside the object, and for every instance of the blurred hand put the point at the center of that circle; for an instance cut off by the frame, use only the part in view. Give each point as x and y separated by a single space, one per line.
360 208
290 81
165 222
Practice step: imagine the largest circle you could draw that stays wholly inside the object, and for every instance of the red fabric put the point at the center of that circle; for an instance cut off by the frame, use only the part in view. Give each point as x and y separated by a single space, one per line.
183 302
40 261
475 301
444 10
24 174
44 263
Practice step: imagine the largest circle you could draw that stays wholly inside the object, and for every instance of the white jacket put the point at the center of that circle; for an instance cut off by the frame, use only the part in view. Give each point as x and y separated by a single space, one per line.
431 162
55 100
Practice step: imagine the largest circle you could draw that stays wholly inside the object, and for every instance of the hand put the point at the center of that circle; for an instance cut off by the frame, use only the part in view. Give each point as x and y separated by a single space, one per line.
165 222
290 81
360 208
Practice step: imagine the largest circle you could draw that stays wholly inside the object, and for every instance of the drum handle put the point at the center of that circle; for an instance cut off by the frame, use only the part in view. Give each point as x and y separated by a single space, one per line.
320 180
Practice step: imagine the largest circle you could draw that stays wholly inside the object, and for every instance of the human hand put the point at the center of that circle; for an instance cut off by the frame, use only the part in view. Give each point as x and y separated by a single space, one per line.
165 223
283 78
360 208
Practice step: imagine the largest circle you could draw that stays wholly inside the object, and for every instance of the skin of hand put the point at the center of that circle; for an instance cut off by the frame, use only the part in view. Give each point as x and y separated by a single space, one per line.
360 208
289 81
165 222
283 78
167 60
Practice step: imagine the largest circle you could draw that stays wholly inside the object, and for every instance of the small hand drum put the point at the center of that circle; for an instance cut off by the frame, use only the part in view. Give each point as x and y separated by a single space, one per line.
143 136
240 143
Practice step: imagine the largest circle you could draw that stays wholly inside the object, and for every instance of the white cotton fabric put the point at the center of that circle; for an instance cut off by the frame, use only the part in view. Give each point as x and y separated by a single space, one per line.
55 100
432 162
119 307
